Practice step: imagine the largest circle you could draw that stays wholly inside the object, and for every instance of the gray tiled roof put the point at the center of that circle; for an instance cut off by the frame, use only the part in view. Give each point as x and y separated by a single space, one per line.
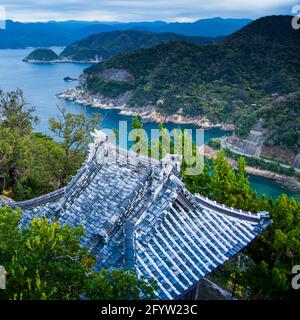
137 214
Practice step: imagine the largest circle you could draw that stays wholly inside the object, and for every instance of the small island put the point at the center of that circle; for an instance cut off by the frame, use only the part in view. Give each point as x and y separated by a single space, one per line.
42 55
70 79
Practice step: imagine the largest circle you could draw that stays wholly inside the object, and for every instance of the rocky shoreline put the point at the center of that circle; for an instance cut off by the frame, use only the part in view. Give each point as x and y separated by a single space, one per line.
151 115
148 114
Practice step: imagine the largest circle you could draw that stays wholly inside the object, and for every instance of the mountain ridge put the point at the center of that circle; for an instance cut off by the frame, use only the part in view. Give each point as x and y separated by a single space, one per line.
62 33
104 45
109 44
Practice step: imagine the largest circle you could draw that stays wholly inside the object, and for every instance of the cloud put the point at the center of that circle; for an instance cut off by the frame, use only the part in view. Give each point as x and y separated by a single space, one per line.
141 10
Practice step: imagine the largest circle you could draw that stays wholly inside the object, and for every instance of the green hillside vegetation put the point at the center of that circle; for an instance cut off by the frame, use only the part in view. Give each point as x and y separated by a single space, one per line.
108 44
283 120
232 82
109 88
281 116
44 55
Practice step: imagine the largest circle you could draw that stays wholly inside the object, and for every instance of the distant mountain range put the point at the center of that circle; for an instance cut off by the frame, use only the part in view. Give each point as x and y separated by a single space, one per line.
105 45
245 78
52 33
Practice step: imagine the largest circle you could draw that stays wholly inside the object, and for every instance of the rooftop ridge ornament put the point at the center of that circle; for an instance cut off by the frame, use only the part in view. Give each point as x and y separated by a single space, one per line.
172 163
100 138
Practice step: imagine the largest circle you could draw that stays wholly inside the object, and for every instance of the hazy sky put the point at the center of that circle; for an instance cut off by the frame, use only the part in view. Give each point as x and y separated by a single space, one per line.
142 10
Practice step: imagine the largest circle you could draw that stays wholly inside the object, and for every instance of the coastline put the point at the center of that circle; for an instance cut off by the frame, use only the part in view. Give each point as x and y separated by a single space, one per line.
149 114
61 61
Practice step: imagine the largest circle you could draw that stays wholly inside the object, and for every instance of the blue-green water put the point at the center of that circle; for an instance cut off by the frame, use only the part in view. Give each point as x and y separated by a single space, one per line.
270 188
40 84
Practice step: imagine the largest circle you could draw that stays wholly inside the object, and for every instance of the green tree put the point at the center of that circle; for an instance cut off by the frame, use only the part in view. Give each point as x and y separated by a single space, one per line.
220 182
45 260
119 284
73 129
32 164
138 136
15 112
9 235
16 124
74 132
199 183
44 168
135 123
276 252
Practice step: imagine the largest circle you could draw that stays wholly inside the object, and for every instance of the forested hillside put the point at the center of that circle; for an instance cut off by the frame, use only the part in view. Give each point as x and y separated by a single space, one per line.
108 44
231 82
102 46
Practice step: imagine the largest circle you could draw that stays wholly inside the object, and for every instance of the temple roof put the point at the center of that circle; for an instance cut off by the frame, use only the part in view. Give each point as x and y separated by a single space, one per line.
137 214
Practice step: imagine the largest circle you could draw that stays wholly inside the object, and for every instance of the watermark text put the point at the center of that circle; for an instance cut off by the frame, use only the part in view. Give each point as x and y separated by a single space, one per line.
2 278
296 18
186 146
2 18
296 278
